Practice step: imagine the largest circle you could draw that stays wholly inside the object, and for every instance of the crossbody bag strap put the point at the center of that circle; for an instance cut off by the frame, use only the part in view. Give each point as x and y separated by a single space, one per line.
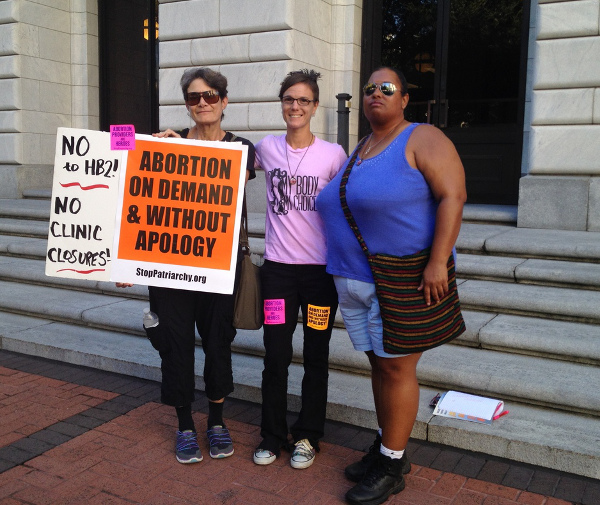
347 214
244 242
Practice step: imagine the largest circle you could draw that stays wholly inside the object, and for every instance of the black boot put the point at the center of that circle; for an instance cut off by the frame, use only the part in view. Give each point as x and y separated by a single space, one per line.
383 478
356 471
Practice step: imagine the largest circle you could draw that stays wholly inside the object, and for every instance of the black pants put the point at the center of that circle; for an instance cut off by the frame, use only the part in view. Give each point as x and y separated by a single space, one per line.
311 289
178 312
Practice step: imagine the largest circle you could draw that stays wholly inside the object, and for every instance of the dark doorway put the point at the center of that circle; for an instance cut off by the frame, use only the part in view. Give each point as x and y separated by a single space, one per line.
128 39
465 63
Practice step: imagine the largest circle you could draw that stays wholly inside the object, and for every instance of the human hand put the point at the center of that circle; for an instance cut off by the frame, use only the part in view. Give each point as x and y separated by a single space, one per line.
123 284
167 133
434 282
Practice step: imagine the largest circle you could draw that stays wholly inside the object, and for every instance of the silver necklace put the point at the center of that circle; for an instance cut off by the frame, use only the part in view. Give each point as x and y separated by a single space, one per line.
293 177
369 146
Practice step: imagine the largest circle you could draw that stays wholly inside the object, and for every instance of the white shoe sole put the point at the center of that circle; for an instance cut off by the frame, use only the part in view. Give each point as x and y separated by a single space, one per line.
264 461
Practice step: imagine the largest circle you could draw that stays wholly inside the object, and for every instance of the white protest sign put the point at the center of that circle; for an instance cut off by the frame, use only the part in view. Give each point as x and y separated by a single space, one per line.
84 201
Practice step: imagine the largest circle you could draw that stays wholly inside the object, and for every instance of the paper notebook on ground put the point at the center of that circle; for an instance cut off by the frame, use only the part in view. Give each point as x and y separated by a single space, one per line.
468 407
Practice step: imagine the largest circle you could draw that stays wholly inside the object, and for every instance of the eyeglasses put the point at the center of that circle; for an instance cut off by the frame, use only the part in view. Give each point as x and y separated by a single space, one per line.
302 102
210 97
387 88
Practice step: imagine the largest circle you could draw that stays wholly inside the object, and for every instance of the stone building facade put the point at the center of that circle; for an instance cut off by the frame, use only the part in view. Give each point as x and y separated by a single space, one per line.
50 73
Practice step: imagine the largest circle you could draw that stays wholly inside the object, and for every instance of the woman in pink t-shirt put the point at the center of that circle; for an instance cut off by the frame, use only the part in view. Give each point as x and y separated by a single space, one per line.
297 166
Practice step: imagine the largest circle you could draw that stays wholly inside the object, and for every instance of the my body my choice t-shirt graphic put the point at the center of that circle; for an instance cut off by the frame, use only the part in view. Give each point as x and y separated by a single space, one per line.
287 193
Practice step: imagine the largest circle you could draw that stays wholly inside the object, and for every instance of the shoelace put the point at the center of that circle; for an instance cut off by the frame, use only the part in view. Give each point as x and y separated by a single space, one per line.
303 450
375 473
219 436
186 441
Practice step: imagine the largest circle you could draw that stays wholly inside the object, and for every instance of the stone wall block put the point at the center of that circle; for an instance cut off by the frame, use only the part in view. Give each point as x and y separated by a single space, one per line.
43 122
11 148
568 19
252 16
174 117
596 117
346 24
45 16
559 203
236 117
311 51
175 53
54 98
27 40
56 46
265 116
45 70
85 75
567 63
564 106
269 74
571 150
9 66
8 39
9 12
10 121
10 97
220 50
314 18
32 149
270 46
594 210
169 90
189 20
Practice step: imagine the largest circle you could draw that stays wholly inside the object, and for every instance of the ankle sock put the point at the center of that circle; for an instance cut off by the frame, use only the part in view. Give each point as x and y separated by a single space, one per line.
391 454
215 414
184 417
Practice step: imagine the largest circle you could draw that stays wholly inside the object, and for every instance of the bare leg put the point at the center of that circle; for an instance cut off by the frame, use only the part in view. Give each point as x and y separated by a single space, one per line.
375 383
396 398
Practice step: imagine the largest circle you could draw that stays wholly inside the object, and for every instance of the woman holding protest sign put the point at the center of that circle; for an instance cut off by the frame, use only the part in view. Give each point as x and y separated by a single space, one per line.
297 166
179 310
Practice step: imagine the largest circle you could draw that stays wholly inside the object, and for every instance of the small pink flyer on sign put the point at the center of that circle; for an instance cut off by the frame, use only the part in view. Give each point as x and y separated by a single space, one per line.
122 137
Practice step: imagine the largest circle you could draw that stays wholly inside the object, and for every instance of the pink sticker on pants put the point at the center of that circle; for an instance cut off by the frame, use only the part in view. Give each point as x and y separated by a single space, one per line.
274 311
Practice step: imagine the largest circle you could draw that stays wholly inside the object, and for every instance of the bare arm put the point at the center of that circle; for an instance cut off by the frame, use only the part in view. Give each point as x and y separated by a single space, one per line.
436 157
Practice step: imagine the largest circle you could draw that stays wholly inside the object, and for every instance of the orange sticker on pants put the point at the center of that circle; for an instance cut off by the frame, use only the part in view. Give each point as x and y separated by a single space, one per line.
318 317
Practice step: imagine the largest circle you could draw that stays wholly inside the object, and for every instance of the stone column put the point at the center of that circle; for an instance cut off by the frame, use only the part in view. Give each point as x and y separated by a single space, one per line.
561 188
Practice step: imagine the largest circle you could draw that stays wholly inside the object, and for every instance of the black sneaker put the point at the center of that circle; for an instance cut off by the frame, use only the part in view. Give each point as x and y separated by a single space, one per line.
186 447
356 471
383 478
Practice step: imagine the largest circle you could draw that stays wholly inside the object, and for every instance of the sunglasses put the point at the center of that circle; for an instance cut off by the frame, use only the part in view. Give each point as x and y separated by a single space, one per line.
387 88
210 97
302 102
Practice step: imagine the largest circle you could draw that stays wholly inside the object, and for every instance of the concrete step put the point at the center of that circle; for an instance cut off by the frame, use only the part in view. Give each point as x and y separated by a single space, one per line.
564 441
491 330
529 243
545 302
490 214
529 270
22 227
25 209
495 373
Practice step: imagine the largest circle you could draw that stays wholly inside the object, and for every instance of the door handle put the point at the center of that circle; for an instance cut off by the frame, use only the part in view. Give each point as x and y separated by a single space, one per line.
430 104
443 114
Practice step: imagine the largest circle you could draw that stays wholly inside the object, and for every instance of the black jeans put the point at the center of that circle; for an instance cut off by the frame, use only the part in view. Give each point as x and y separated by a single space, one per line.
298 286
178 312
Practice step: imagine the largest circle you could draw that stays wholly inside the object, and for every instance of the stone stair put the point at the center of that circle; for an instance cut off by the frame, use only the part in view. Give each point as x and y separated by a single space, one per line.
531 301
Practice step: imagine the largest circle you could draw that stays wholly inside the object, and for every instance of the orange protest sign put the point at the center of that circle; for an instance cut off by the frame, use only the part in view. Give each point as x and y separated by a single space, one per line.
179 205
178 218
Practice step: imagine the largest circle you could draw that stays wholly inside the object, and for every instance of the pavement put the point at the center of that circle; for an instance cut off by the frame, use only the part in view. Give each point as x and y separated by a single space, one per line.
76 435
